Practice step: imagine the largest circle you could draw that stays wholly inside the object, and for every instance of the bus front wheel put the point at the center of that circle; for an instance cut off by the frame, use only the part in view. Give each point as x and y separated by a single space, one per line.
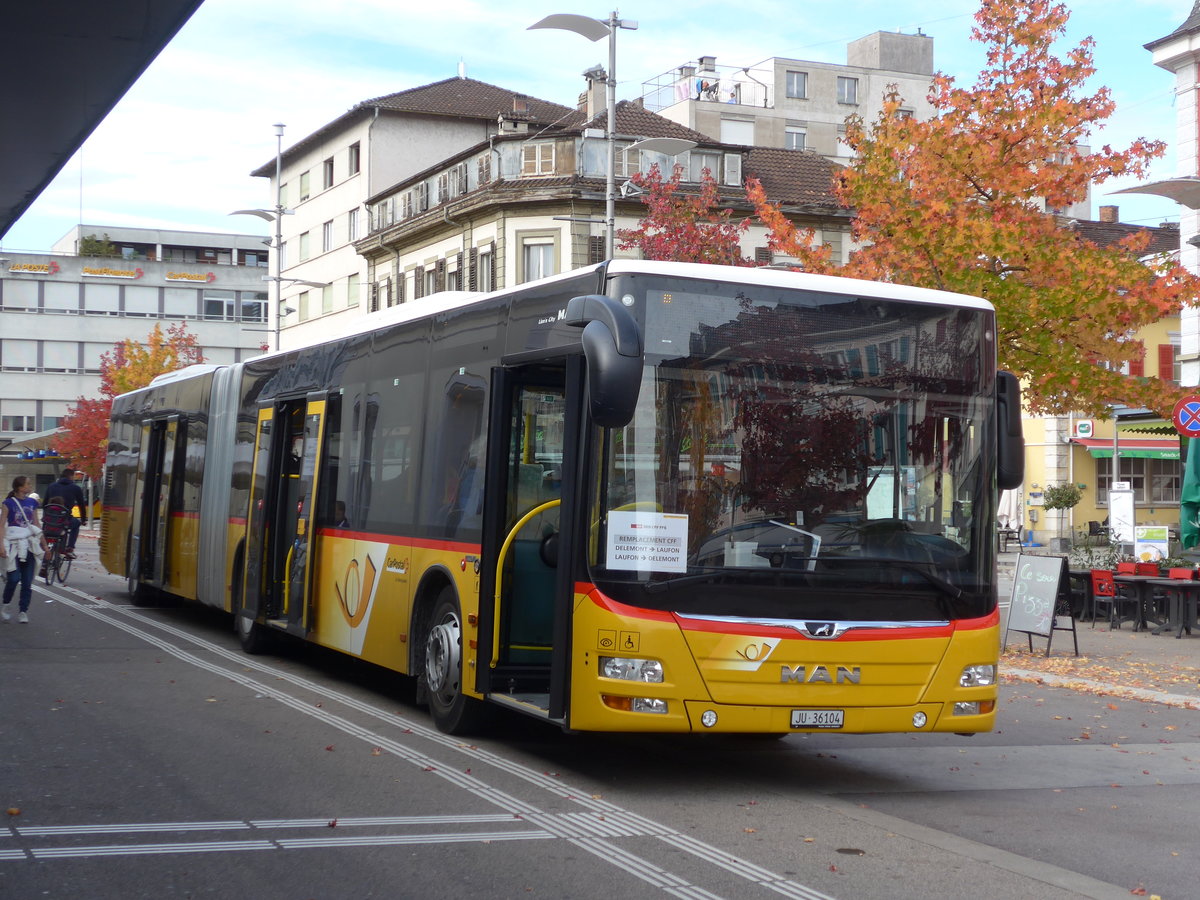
453 711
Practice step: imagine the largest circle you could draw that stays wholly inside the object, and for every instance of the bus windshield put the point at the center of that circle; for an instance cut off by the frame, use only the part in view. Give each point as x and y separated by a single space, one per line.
798 454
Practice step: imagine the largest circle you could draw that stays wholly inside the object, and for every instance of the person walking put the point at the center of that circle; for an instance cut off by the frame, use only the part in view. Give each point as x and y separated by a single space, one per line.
70 495
21 544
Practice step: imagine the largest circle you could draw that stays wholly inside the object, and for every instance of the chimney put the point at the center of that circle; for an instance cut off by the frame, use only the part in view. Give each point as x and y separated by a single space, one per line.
593 101
1110 215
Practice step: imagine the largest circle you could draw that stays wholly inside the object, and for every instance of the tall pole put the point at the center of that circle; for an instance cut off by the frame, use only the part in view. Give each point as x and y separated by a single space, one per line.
610 187
278 231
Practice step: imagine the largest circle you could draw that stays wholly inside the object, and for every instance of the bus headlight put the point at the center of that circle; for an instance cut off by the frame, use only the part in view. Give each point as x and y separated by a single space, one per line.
635 704
649 671
974 707
978 676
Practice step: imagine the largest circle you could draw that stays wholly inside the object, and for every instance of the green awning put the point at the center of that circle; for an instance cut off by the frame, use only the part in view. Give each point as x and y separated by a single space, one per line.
1131 448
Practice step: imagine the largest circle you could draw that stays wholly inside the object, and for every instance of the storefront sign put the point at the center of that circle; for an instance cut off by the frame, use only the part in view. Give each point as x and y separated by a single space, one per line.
106 272
203 277
46 268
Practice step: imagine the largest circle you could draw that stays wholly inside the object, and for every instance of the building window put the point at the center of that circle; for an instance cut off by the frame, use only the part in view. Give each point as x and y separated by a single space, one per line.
1154 481
327 299
18 423
698 162
355 162
737 131
327 237
627 162
327 174
352 289
304 187
485 278
796 85
537 258
847 89
220 305
794 137
429 281
843 147
453 280
283 195
254 306
537 159
304 246
352 225
302 302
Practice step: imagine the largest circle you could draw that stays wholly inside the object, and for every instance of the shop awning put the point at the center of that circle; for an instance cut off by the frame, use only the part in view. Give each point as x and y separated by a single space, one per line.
1143 448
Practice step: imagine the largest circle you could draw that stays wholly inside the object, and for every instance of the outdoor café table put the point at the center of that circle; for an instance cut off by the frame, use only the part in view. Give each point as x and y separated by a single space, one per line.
1081 591
1144 590
1182 610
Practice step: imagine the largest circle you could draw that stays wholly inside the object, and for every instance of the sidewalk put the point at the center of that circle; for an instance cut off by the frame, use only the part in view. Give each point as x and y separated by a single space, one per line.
1115 662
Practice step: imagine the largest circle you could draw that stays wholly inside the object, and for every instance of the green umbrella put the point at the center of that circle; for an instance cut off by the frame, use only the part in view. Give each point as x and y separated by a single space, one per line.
1189 498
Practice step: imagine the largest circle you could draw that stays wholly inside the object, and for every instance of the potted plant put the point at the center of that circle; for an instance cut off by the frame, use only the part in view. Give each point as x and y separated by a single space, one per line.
1062 497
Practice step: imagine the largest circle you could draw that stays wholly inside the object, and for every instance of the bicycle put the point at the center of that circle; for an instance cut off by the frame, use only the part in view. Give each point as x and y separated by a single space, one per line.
57 564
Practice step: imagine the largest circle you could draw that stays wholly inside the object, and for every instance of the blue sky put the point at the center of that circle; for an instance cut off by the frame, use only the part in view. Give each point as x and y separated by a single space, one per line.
178 149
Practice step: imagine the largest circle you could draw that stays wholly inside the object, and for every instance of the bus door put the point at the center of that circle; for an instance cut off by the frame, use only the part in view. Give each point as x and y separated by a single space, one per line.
526 584
278 575
150 542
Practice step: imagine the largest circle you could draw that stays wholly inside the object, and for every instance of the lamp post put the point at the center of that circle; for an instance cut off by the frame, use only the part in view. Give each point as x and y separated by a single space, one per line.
593 30
276 216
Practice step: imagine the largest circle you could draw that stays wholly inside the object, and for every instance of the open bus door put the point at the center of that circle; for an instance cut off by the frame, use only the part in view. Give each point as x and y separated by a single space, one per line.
277 586
149 541
526 582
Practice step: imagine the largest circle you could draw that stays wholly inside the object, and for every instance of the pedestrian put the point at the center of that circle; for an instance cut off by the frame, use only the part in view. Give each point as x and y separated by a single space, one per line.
70 495
21 546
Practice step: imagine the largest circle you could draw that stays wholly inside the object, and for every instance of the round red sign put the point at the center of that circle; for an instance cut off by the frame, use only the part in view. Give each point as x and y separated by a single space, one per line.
1187 416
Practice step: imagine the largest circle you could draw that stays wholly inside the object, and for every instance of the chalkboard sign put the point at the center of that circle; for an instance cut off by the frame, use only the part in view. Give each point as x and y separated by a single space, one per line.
1035 592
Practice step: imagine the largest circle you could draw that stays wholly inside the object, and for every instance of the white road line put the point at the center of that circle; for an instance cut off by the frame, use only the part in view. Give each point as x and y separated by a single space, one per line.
628 862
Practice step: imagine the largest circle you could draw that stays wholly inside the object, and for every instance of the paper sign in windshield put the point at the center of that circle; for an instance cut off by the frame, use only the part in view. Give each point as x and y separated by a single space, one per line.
647 541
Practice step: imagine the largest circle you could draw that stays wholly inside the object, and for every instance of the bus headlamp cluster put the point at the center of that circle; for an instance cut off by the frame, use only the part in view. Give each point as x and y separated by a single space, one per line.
978 676
635 704
648 671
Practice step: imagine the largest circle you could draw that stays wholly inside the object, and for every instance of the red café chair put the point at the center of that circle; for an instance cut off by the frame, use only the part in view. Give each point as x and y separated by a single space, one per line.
1106 592
1126 568
1185 574
1147 568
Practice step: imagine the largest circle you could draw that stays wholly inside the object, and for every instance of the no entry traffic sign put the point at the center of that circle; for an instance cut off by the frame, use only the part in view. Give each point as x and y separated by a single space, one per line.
1187 416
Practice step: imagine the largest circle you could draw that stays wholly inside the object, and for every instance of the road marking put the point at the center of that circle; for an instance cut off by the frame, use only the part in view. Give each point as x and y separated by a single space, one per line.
128 619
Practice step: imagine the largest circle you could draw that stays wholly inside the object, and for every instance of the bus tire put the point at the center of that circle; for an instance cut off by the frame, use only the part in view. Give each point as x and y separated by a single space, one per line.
453 711
254 638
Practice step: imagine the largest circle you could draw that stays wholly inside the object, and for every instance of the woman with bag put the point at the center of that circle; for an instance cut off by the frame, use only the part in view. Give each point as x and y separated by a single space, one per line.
21 546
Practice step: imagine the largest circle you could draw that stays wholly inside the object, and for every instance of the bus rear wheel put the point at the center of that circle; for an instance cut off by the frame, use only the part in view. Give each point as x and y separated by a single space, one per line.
453 711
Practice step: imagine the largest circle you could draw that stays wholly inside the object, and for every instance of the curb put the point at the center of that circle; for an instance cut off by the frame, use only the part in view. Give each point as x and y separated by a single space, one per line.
1181 701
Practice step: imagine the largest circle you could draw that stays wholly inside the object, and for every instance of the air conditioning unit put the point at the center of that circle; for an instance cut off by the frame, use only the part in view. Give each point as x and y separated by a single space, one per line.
1083 428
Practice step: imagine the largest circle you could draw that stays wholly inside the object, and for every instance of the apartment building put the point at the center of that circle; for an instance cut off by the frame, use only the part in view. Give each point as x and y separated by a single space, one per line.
327 177
529 203
60 311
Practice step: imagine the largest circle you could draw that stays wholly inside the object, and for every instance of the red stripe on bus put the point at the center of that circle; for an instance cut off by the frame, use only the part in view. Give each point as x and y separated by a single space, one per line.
991 620
183 514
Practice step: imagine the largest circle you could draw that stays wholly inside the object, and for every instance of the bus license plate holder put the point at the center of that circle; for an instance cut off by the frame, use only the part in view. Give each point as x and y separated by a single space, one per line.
818 718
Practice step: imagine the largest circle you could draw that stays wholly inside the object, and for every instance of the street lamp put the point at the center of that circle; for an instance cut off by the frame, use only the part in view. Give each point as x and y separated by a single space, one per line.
593 30
276 216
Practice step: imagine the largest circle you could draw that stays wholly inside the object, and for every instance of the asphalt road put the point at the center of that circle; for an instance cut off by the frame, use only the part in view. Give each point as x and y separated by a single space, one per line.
142 754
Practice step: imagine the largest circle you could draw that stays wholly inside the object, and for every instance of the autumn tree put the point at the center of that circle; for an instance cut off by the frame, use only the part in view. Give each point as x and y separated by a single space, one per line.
684 227
128 366
964 201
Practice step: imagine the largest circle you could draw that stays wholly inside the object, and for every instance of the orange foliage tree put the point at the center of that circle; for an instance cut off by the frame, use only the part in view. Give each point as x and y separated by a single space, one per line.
684 227
959 202
128 366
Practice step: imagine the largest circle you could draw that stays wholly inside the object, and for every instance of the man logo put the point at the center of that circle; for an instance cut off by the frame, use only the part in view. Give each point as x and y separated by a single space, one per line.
821 629
820 675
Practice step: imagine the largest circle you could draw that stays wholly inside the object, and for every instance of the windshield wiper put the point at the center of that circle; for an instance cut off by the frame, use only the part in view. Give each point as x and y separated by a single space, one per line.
948 589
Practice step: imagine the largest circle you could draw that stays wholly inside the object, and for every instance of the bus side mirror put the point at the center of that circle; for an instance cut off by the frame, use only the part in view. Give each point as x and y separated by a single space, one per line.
612 347
1010 439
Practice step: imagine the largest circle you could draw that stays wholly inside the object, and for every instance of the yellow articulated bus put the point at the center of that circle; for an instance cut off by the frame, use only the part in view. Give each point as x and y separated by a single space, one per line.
640 496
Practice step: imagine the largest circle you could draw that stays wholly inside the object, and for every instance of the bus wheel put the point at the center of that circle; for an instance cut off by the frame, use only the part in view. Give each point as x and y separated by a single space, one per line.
139 594
453 712
254 638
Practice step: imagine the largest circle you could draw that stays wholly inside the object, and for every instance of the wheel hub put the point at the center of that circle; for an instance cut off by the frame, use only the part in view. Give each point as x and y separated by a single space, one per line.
442 656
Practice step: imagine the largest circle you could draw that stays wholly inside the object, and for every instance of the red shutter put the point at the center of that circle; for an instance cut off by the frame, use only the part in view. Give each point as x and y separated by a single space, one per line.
1166 362
1137 362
